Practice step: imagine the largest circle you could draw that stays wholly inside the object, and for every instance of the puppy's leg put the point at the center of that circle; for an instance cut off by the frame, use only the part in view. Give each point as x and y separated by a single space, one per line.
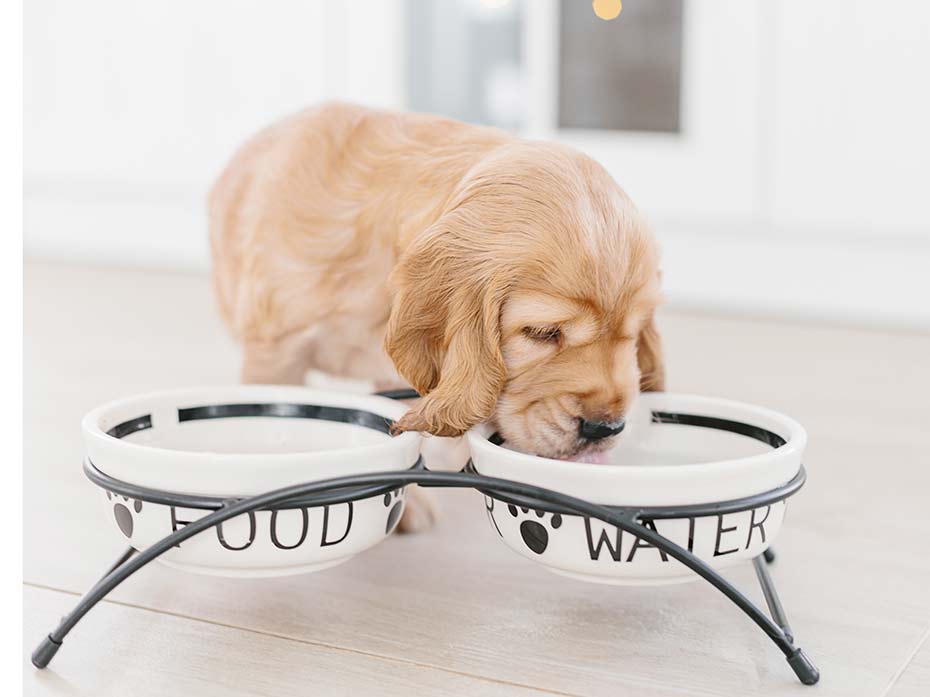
420 511
441 455
284 361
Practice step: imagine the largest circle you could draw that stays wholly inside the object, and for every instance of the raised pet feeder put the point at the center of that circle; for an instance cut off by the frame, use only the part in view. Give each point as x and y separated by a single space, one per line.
704 484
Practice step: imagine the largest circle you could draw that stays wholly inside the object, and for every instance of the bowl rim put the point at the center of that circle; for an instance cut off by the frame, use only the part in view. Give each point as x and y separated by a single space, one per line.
588 479
380 406
167 468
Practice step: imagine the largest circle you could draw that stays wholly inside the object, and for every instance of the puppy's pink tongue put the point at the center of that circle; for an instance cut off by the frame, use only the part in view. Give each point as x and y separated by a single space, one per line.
599 458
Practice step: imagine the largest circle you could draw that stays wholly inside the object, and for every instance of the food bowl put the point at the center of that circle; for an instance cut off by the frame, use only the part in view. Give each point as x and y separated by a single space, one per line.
224 443
679 451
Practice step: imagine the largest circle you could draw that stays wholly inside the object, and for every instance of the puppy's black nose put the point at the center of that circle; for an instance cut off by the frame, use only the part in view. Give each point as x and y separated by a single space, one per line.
596 430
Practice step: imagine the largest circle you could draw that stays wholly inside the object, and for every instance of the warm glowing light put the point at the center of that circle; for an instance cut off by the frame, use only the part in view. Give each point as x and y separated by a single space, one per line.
607 9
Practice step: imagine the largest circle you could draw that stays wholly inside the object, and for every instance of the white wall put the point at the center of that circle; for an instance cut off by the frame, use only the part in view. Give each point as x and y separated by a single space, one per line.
132 107
798 187
850 126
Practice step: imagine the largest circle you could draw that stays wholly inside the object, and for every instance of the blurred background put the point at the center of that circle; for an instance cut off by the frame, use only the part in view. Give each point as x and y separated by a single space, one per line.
780 149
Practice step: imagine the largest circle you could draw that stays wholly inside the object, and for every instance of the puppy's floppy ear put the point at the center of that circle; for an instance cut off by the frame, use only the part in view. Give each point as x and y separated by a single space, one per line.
444 332
650 358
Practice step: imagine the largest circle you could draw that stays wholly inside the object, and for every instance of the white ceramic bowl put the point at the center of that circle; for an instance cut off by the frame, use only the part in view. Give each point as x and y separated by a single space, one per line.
191 441
654 464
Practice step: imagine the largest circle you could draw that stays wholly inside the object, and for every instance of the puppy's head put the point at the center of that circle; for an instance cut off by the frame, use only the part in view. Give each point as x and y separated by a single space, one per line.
530 304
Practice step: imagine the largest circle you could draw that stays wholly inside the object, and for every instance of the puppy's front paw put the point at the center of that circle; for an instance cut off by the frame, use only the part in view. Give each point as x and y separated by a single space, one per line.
420 511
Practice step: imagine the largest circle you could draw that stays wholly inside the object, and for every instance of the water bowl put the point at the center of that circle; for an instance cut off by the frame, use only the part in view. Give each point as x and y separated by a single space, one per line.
679 452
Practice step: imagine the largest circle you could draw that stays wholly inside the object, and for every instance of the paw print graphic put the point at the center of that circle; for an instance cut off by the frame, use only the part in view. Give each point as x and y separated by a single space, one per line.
121 512
395 501
534 533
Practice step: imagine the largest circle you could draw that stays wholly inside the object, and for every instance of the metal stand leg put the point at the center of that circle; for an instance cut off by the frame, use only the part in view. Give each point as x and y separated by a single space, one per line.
778 630
771 597
805 670
130 562
49 646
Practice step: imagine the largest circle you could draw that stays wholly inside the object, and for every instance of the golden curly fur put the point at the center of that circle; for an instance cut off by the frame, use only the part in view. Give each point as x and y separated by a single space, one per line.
507 280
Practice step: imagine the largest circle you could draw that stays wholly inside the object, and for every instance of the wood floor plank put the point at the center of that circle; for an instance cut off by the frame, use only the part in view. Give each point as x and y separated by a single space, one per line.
123 650
850 570
914 680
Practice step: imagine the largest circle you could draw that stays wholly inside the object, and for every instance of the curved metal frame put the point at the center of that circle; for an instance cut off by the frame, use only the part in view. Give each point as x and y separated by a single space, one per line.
626 519
698 510
351 488
213 503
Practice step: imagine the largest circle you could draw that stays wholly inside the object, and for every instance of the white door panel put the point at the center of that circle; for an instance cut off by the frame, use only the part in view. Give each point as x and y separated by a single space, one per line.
852 124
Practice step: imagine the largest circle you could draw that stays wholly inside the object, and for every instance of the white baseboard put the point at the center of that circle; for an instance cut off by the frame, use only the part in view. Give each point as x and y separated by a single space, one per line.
864 283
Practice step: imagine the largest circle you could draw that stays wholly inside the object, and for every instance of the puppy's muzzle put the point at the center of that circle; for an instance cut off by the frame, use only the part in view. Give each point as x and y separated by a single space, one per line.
598 430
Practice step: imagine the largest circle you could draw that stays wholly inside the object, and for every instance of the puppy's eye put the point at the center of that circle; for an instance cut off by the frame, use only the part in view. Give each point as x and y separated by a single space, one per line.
546 335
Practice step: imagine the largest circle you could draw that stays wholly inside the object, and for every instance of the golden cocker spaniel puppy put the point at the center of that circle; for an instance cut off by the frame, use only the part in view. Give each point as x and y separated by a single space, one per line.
506 280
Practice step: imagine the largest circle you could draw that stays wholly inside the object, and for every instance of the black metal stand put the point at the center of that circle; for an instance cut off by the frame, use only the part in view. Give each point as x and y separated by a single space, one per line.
342 489
359 486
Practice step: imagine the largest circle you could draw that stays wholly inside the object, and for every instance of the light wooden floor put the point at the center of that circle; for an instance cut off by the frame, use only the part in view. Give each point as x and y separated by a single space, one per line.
453 611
